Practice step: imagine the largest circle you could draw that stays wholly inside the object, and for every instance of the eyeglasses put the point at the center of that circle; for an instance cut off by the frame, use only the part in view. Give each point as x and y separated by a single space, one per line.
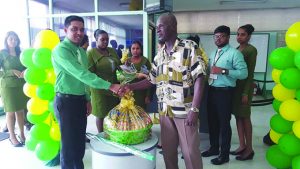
219 36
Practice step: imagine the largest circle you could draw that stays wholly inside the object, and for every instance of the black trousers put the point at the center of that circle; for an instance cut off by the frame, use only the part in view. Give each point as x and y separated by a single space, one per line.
219 115
70 111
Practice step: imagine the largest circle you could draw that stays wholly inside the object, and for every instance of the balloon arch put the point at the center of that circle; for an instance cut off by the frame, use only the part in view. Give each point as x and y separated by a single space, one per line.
44 136
285 125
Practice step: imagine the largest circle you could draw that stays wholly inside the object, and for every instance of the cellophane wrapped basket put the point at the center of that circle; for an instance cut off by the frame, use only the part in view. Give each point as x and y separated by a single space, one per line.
127 123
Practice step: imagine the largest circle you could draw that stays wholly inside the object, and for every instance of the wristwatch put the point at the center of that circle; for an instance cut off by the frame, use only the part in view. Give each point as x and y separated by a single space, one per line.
224 72
194 109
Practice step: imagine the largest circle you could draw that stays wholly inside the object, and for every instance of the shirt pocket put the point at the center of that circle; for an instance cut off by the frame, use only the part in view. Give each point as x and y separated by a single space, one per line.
228 64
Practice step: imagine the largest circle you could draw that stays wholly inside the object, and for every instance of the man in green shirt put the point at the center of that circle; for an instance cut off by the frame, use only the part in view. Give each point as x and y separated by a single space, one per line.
72 103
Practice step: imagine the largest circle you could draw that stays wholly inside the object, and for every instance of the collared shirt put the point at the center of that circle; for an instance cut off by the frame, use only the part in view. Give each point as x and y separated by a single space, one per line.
174 76
231 59
71 68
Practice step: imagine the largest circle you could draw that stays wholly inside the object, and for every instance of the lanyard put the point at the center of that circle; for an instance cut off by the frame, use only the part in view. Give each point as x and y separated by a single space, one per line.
219 55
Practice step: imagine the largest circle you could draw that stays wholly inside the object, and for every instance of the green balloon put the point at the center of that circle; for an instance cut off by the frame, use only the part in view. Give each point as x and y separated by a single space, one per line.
298 94
40 131
276 104
290 78
296 162
280 125
289 144
31 143
42 58
50 106
282 58
45 91
277 158
297 59
26 57
46 150
35 119
35 76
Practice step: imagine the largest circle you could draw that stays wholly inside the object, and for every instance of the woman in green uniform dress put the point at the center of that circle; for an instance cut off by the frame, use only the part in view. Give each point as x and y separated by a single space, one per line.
11 81
103 61
143 66
243 96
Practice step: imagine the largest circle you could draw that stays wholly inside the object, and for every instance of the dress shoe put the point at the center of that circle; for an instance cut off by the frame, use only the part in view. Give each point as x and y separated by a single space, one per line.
267 139
16 145
209 153
28 126
237 152
220 160
248 157
22 141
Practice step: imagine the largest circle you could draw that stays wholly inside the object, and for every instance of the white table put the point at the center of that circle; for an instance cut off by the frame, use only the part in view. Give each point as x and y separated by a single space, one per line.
105 156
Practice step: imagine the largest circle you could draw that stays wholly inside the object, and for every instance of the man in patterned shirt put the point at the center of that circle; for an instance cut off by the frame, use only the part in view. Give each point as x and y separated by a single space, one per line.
178 71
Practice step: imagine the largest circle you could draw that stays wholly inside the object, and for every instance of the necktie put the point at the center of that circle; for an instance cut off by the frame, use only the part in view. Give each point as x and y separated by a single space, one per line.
79 57
217 56
212 76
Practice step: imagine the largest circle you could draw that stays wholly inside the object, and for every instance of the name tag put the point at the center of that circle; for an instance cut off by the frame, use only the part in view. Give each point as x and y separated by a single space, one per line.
213 76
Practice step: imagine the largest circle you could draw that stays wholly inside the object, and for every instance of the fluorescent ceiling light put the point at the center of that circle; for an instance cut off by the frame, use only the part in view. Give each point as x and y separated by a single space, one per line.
224 2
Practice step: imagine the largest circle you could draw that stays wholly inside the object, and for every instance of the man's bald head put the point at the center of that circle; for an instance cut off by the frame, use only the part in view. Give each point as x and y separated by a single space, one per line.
166 27
169 19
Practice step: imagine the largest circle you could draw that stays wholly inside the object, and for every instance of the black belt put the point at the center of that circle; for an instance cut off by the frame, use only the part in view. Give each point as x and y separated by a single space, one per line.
71 96
220 88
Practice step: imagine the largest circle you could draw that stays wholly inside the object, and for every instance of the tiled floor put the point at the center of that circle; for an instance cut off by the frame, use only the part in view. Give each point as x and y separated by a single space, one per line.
20 158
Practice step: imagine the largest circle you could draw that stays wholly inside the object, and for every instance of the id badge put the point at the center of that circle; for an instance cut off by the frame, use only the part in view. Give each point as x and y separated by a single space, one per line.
213 76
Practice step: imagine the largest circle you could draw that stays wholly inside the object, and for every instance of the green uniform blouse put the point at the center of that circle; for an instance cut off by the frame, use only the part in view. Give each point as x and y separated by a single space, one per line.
7 64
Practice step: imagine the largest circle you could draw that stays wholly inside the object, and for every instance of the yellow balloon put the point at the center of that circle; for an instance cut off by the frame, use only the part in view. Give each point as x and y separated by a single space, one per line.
292 37
276 75
290 110
48 120
37 106
51 77
274 136
296 128
281 93
46 39
30 90
55 132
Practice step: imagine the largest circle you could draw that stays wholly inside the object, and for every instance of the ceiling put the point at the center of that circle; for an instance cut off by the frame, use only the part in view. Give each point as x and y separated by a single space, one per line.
135 21
206 5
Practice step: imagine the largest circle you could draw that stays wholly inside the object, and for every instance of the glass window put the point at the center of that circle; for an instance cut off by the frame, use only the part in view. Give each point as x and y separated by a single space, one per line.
36 25
120 5
38 7
123 29
12 22
74 6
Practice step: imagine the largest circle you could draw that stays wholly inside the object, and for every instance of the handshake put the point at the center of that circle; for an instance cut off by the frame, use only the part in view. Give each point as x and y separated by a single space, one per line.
120 90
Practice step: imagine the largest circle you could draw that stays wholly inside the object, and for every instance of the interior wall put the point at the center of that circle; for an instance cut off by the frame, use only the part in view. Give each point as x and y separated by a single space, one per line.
274 21
261 19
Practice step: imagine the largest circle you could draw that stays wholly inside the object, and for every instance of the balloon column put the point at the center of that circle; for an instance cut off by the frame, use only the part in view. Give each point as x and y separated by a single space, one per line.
44 136
285 125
